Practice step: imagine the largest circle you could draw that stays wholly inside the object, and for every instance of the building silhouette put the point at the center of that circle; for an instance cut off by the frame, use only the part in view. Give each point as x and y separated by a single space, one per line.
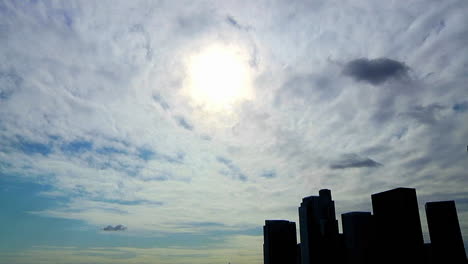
398 226
318 229
392 234
444 231
358 237
279 242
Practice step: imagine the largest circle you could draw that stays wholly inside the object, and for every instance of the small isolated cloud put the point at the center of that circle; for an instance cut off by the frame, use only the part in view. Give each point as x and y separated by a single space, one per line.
115 228
375 71
425 114
233 22
184 123
354 161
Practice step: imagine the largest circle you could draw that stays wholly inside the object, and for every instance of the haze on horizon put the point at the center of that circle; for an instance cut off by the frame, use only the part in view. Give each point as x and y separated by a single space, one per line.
168 131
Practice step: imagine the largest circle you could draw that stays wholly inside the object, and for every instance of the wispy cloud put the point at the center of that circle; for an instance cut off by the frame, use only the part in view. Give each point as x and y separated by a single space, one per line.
106 122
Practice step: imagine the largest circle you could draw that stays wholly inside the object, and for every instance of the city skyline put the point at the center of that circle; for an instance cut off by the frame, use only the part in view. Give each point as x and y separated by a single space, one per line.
392 233
167 131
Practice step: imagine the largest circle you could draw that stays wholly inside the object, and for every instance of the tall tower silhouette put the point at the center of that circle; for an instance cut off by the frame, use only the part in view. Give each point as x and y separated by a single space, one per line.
398 227
444 231
280 242
318 229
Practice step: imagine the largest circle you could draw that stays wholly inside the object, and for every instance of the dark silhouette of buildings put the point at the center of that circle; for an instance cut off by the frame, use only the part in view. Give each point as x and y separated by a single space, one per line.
358 237
280 243
398 226
318 229
444 231
392 234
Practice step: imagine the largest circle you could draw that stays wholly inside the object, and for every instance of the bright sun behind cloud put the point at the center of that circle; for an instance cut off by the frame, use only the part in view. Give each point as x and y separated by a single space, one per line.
219 77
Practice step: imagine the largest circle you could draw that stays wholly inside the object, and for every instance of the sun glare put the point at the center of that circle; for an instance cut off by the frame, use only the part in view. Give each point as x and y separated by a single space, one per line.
218 77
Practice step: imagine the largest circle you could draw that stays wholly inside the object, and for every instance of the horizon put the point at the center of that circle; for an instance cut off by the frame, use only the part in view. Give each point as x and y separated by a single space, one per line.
167 132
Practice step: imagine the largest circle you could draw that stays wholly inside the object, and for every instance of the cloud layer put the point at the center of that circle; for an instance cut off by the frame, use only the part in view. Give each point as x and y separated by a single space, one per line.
93 105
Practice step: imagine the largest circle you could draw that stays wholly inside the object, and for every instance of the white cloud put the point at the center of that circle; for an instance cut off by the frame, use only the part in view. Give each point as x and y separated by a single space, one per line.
95 79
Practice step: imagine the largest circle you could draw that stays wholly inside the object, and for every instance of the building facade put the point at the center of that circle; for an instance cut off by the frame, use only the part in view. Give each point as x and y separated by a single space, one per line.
398 227
280 242
444 230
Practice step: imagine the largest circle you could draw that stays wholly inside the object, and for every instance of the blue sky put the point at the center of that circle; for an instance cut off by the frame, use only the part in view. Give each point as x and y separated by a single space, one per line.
191 122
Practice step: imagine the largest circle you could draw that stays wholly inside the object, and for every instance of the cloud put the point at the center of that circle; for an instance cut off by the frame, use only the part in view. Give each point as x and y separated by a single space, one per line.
268 174
233 22
160 101
307 88
425 114
232 170
375 71
354 161
460 107
115 228
184 123
9 82
121 89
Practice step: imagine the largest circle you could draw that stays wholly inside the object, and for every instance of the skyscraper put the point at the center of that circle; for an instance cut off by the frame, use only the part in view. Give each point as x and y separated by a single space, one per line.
280 242
398 226
358 237
318 229
444 231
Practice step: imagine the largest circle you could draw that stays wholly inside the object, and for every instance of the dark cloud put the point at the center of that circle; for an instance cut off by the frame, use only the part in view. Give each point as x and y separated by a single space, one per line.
232 170
115 228
184 123
460 107
425 114
354 161
233 22
375 71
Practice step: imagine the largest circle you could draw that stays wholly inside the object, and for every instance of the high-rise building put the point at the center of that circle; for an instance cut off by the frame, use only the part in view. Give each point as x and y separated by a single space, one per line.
280 242
298 254
318 229
398 227
444 231
358 237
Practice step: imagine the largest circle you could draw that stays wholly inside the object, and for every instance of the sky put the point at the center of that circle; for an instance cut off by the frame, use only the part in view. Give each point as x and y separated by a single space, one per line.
168 131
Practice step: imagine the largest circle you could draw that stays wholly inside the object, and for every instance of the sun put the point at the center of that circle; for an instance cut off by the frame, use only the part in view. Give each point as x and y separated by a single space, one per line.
219 77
